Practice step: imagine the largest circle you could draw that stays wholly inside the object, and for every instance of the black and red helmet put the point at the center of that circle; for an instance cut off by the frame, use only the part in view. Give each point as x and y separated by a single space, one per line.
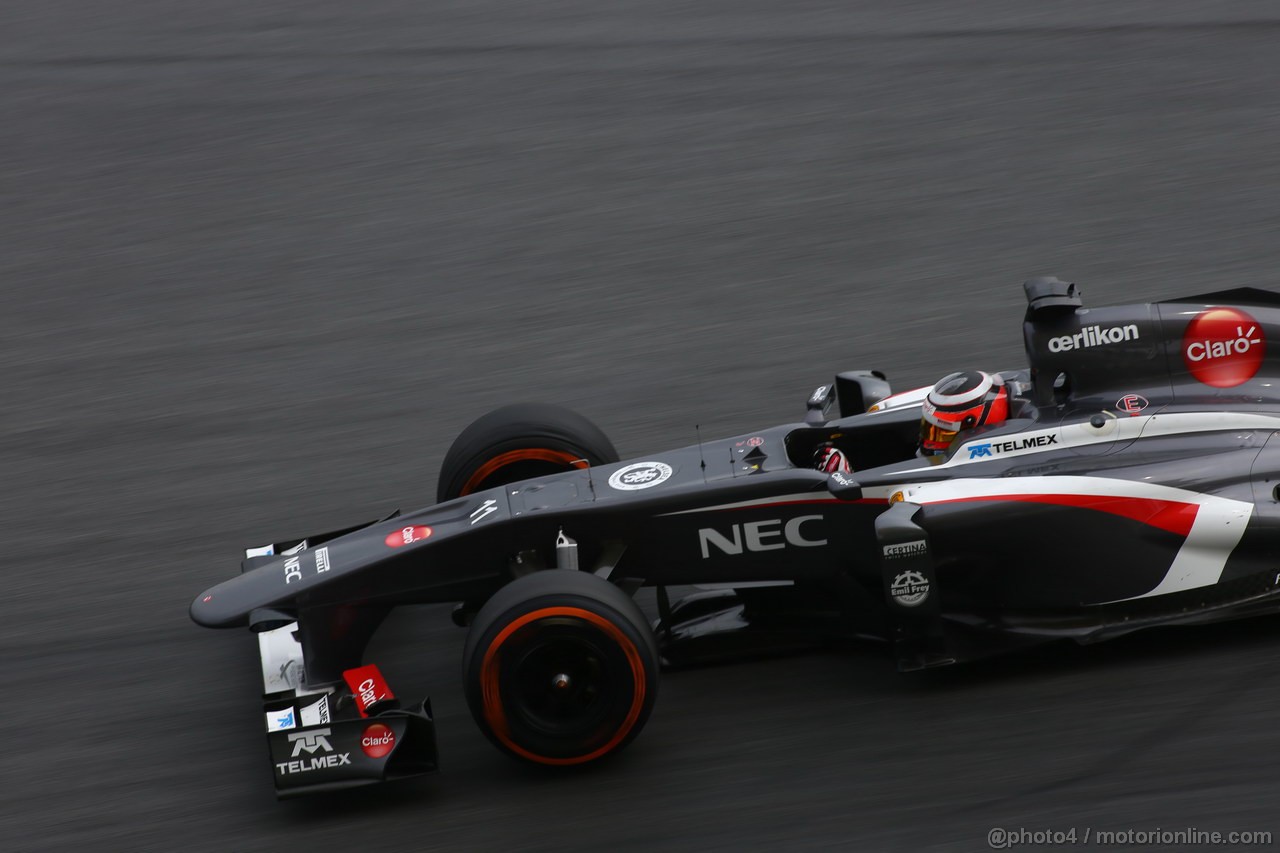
963 400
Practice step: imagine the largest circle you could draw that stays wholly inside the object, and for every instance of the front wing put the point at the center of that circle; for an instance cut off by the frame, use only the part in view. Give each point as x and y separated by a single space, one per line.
323 737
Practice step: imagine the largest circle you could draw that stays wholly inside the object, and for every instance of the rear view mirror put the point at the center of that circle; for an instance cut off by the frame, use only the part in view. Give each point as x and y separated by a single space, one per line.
844 487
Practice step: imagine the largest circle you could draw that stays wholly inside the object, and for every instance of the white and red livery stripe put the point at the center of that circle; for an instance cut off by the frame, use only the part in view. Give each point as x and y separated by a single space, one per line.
1212 525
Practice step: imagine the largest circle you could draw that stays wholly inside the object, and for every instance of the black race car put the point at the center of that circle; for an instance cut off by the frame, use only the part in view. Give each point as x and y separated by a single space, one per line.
1135 483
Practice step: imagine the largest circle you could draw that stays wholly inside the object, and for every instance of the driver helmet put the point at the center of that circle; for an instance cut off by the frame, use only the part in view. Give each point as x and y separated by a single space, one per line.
963 400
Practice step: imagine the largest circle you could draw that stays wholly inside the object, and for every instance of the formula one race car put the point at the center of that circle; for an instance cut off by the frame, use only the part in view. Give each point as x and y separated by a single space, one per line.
1136 482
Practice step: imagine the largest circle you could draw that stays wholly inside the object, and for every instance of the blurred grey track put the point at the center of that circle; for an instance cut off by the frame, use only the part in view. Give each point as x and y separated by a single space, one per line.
261 261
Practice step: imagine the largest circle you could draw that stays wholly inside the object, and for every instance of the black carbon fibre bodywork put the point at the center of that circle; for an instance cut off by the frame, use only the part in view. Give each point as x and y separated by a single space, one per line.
1134 485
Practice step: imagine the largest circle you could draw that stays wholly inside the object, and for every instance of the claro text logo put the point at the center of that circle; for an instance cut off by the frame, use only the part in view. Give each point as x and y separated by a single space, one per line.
1223 347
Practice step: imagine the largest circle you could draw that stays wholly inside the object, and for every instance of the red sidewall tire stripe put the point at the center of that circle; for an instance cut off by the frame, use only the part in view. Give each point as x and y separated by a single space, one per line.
538 454
491 690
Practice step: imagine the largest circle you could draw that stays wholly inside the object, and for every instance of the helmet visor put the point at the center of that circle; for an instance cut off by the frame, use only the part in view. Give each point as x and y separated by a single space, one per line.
935 439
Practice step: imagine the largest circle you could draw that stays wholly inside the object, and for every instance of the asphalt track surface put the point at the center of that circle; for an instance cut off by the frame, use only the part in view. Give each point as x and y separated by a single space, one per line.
262 261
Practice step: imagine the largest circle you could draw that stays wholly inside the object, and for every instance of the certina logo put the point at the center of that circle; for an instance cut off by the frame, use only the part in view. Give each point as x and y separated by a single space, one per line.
909 588
1223 347
995 448
377 740
640 475
771 535
906 549
1094 336
310 741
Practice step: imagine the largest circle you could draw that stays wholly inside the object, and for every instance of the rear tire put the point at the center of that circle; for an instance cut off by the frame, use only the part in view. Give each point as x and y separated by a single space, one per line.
518 442
560 668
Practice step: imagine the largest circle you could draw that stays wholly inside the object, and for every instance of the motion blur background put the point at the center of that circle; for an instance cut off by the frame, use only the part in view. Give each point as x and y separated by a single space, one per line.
261 261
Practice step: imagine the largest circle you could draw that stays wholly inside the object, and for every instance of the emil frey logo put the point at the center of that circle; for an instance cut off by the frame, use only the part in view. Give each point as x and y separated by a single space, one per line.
1223 347
995 448
909 588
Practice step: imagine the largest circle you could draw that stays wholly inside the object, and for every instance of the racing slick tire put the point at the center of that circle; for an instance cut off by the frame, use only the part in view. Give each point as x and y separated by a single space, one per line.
560 668
517 442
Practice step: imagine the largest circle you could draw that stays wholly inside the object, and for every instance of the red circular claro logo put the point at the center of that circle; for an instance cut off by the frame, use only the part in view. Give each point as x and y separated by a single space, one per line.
1223 347
407 536
377 740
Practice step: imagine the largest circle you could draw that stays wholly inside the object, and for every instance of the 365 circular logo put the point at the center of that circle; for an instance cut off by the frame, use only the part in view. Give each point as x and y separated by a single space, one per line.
909 588
1223 347
407 536
640 475
377 740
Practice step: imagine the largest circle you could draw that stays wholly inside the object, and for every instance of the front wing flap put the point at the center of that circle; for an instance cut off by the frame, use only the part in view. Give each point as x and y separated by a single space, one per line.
318 736
346 753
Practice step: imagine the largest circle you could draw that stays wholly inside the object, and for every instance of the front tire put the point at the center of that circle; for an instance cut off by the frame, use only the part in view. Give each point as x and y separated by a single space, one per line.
519 442
560 668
